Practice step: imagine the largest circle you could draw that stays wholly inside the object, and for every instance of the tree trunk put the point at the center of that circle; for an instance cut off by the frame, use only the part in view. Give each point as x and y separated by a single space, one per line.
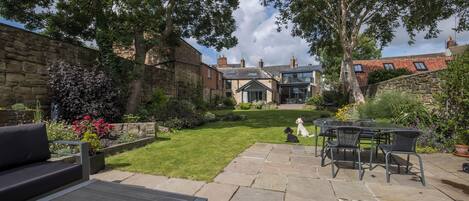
138 73
352 82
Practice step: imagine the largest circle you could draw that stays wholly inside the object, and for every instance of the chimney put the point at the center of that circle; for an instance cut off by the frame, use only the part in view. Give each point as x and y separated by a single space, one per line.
242 64
261 64
450 42
222 61
293 63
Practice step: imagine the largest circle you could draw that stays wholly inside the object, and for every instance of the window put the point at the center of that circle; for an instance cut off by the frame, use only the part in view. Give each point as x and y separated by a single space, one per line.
358 68
229 94
305 77
209 73
420 66
254 96
389 66
228 84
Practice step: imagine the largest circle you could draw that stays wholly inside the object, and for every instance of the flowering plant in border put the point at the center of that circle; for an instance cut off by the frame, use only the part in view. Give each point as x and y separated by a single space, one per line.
90 124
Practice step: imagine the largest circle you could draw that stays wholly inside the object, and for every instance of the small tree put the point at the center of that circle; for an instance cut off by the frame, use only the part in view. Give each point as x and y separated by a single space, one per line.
384 74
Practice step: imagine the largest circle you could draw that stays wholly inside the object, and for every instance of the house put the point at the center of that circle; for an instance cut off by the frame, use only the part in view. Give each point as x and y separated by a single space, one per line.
212 82
413 63
284 84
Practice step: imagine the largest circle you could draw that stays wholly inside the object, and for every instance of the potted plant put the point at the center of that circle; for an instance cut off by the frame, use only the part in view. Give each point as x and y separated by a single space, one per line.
92 130
461 145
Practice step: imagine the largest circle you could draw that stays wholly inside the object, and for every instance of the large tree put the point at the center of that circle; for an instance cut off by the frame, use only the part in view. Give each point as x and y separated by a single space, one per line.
142 24
325 22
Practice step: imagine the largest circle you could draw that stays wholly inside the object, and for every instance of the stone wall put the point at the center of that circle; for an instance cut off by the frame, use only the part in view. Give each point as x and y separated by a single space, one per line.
25 56
423 85
15 117
140 129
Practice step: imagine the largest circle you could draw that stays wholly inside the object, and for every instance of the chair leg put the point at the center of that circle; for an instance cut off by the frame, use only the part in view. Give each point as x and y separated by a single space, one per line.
324 155
316 141
388 175
407 164
372 149
422 177
360 169
332 164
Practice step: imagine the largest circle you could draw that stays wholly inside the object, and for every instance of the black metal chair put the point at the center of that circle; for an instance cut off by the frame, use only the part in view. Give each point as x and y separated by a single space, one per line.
402 142
348 137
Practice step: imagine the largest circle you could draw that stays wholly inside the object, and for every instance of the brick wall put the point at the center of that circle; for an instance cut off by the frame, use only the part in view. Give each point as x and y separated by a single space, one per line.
213 85
25 56
423 85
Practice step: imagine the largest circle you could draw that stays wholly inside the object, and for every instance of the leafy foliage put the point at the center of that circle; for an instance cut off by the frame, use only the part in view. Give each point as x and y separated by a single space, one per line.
93 140
383 74
245 106
79 90
60 131
454 99
88 124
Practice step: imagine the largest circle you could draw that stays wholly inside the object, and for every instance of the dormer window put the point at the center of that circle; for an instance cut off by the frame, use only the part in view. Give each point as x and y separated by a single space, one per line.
358 68
388 66
420 66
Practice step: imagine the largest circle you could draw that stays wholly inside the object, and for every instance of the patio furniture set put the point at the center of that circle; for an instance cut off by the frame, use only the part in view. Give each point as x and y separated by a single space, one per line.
350 135
27 173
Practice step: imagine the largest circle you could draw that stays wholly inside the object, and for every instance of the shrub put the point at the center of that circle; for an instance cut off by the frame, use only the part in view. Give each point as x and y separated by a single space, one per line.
233 117
347 112
210 117
180 123
334 98
316 100
60 131
131 118
127 137
258 105
19 106
79 90
88 124
453 110
383 74
229 102
245 106
269 106
93 140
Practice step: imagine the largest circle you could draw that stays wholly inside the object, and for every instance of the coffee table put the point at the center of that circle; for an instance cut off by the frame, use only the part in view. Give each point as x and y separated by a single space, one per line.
95 190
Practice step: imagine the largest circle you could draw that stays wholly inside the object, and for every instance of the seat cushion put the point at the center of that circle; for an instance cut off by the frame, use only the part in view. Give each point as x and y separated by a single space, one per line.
32 180
23 144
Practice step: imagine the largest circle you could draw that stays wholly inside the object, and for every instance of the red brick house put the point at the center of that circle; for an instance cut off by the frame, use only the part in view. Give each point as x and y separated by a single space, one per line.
212 82
413 63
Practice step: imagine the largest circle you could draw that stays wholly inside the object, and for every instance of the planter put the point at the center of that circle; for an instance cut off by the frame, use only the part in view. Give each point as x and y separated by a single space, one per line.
461 149
97 162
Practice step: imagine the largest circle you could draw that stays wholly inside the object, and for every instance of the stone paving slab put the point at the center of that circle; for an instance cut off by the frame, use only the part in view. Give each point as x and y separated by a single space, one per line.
182 186
406 193
252 194
112 176
278 158
351 191
235 178
147 181
300 188
271 182
245 165
218 192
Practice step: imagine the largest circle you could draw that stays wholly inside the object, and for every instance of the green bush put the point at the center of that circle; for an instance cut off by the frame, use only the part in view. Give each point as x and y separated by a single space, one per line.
383 74
316 100
229 102
258 105
245 106
232 117
334 98
19 106
453 110
210 117
60 131
269 106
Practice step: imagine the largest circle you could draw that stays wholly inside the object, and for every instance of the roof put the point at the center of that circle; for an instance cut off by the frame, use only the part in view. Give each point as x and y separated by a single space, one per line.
277 70
458 50
432 62
253 84
244 73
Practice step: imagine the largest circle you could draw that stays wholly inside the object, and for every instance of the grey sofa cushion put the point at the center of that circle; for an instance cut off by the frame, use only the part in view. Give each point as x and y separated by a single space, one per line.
35 179
23 144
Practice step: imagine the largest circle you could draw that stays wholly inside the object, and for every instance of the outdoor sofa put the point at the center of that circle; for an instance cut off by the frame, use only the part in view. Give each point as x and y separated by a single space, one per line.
25 170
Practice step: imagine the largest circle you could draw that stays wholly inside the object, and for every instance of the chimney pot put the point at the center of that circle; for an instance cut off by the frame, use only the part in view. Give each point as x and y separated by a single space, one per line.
242 63
450 42
261 64
222 61
293 63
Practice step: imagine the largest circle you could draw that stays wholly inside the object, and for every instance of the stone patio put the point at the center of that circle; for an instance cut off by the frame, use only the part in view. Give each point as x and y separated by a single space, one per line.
281 172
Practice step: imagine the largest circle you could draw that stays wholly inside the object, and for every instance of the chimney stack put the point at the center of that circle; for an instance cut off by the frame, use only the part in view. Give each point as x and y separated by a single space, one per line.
242 64
450 42
222 61
293 63
261 64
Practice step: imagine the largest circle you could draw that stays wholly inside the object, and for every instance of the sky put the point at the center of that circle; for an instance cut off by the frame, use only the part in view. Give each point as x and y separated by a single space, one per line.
258 39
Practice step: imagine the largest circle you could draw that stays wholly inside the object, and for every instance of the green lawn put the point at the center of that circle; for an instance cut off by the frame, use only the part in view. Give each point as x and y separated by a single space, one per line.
201 153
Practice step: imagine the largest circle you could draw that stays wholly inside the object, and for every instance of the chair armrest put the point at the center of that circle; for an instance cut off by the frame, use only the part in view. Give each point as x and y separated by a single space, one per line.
84 155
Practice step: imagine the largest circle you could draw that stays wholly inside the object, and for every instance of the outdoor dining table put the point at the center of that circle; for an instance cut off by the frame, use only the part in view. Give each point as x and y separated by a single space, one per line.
372 130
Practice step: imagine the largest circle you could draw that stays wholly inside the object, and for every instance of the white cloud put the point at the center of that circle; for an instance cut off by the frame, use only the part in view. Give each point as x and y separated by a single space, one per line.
258 38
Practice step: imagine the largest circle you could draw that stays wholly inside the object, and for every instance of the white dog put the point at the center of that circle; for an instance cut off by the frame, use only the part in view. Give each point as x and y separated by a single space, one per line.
301 130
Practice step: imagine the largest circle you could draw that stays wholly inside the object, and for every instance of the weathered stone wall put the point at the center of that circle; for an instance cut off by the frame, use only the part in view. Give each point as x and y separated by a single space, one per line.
15 117
423 85
139 129
25 56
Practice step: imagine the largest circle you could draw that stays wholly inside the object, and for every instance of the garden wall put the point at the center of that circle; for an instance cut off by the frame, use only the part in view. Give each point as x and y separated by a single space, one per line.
424 85
25 56
140 129
15 117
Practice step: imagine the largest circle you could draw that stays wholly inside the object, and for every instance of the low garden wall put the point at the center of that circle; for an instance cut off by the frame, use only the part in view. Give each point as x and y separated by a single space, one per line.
15 117
423 85
139 129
